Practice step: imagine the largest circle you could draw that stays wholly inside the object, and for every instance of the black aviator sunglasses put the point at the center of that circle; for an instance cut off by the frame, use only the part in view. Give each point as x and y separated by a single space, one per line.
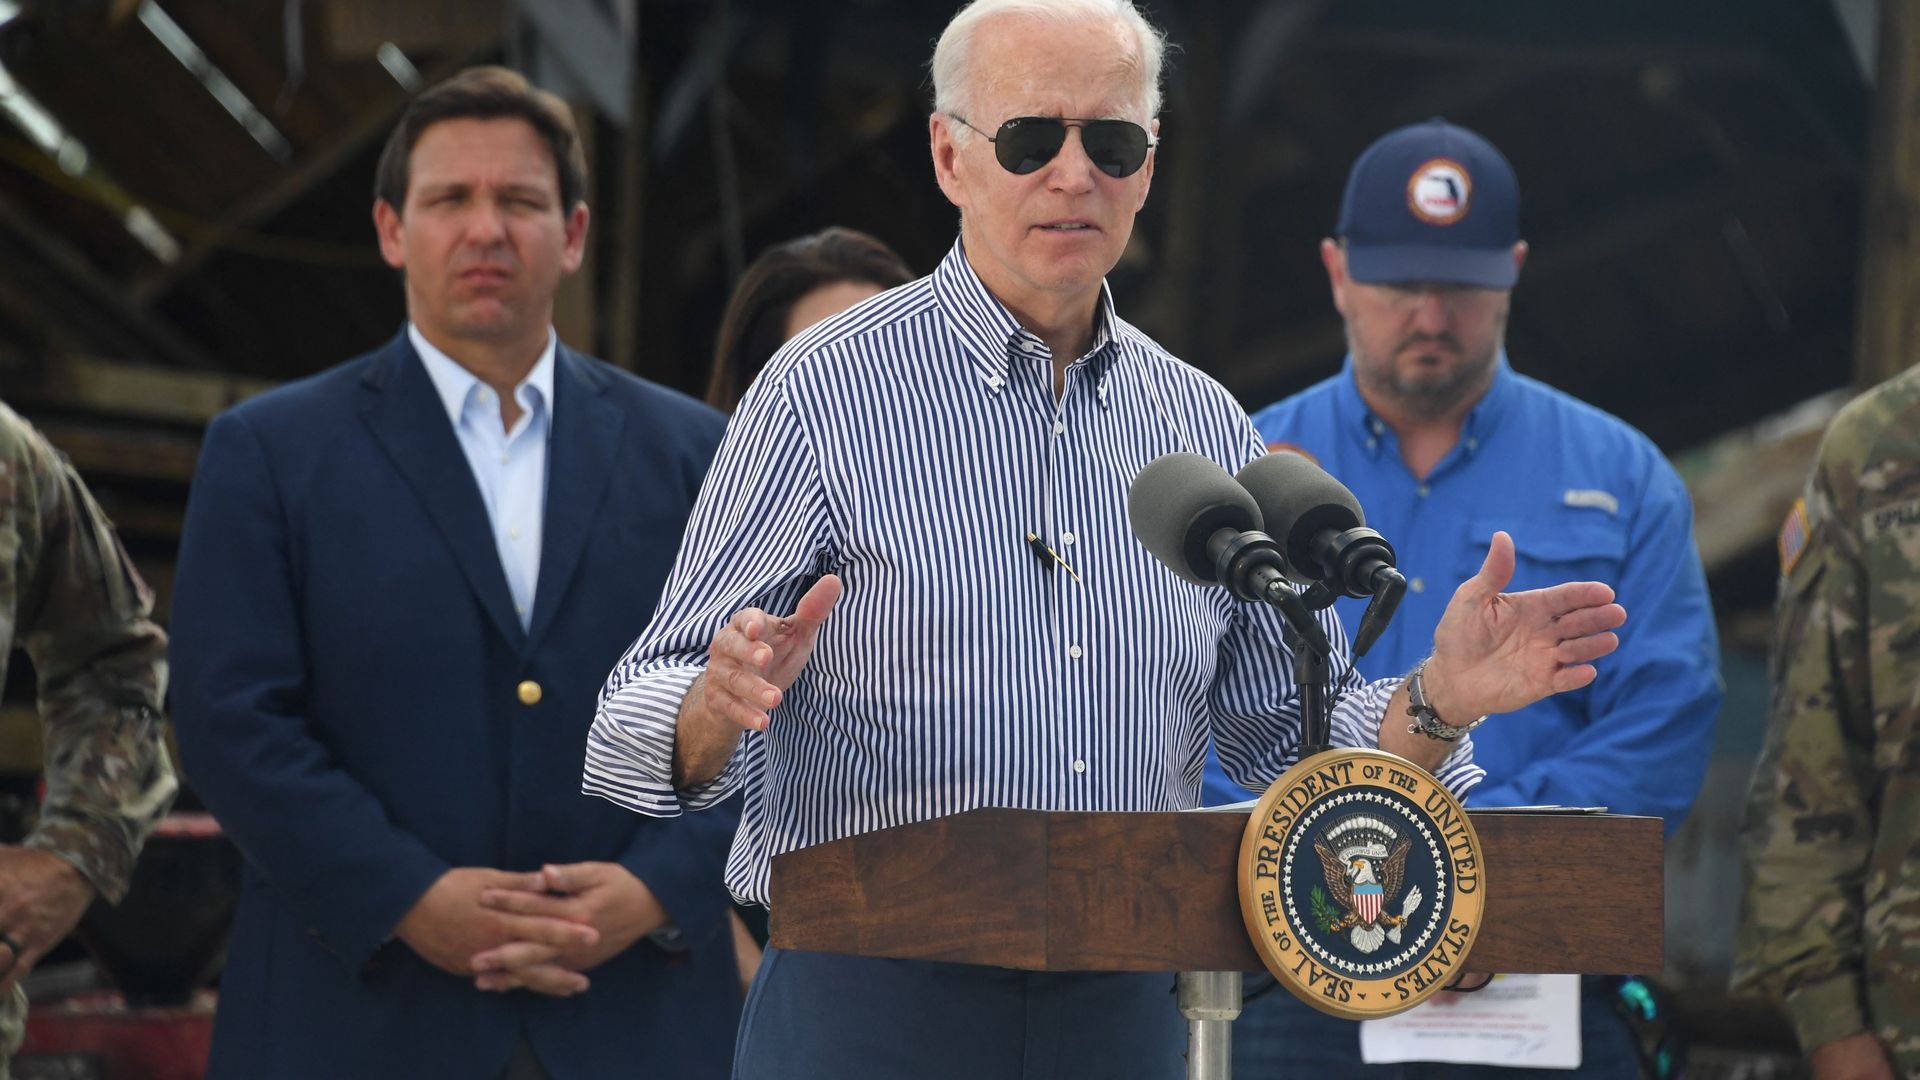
1025 143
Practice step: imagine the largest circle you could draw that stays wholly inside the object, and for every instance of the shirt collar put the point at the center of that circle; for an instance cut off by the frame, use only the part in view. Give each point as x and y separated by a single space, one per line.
456 385
989 334
1485 418
1373 434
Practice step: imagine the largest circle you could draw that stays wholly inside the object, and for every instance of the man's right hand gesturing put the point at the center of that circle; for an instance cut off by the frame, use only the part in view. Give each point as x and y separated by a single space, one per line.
750 664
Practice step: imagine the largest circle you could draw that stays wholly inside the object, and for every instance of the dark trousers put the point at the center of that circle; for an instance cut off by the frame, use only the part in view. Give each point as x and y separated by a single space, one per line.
1279 1037
823 1016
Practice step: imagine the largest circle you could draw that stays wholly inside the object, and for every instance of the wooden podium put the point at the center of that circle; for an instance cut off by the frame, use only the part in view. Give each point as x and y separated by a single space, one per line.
1086 891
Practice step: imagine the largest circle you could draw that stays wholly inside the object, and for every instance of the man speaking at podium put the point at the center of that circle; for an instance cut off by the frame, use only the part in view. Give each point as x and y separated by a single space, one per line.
909 588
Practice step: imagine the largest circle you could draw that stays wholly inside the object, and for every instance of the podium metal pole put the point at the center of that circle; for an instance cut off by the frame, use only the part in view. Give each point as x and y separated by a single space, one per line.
1210 1000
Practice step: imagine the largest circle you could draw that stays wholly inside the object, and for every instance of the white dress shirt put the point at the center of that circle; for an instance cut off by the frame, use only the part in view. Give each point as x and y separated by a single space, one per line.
510 467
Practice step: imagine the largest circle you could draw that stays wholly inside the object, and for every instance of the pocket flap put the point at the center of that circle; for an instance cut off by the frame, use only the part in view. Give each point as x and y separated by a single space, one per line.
1547 540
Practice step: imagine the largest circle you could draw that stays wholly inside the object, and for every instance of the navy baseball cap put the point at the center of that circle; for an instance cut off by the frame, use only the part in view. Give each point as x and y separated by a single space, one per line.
1431 202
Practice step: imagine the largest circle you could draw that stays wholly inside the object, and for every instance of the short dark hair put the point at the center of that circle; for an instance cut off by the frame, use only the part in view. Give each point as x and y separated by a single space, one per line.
755 324
485 93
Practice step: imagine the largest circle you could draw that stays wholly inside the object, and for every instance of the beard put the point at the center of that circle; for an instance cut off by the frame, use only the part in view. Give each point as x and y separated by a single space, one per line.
1429 388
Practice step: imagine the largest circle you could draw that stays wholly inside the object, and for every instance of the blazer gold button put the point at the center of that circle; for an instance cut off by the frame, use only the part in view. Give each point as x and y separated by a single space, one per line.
529 693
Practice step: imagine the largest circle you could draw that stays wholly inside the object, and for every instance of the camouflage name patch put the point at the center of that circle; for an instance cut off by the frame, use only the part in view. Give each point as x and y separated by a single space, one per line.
1901 516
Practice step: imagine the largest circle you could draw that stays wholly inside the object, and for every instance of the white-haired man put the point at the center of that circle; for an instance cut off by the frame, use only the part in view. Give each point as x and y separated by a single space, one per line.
907 448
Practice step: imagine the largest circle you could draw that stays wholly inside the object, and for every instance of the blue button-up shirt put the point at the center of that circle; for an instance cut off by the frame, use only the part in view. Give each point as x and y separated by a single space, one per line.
909 445
510 467
1585 497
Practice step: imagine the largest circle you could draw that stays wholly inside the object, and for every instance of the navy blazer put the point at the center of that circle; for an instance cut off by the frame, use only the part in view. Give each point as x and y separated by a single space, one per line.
347 673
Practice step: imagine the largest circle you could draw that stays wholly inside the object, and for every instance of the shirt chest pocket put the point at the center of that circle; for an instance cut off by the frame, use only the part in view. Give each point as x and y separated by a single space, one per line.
1553 549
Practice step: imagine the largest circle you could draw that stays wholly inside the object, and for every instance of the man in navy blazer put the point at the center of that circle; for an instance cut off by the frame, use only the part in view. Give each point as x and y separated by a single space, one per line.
400 585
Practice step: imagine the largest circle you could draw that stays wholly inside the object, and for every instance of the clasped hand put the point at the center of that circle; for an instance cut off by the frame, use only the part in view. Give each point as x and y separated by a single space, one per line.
42 897
539 930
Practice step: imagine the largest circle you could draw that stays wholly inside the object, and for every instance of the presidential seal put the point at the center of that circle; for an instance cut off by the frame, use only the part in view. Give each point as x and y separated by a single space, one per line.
1361 883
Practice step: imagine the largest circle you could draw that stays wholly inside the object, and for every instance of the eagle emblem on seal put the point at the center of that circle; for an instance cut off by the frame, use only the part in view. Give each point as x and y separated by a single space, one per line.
1364 860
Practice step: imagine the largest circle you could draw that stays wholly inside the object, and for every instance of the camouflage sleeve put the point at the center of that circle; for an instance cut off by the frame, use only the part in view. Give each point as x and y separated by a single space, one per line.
82 615
1810 822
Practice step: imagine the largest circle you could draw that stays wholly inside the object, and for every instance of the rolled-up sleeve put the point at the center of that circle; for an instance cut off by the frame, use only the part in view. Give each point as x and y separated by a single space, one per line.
759 536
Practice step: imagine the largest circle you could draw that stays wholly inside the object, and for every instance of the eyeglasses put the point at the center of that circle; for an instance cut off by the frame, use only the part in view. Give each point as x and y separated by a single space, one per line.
1025 143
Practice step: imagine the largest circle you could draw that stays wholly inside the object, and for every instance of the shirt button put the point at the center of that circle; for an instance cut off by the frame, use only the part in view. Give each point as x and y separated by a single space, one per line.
529 692
1423 491
1074 651
1373 444
1473 444
503 459
485 394
1079 766
1066 538
513 534
1059 427
1418 584
993 381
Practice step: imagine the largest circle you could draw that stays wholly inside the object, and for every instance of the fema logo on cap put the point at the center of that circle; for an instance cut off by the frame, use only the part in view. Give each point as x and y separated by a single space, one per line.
1439 191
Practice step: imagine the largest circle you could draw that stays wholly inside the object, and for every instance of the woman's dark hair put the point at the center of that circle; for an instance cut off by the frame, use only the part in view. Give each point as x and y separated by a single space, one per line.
755 325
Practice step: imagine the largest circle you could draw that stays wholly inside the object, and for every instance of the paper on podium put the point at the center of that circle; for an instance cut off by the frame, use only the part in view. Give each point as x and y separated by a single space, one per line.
1545 808
1530 1021
1244 807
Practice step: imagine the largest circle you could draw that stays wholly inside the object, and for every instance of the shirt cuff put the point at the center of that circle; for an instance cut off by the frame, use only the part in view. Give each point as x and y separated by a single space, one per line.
630 748
103 860
1824 1011
1457 770
1361 728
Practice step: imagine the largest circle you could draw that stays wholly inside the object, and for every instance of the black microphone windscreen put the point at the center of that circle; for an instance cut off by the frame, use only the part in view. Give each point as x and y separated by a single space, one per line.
1178 502
1299 501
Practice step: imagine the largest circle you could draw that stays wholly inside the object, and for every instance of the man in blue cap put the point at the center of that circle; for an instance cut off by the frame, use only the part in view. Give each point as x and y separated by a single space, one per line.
1444 443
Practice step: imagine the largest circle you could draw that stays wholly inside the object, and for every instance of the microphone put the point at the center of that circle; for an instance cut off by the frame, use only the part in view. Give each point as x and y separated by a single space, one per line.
1322 532
1319 524
1205 527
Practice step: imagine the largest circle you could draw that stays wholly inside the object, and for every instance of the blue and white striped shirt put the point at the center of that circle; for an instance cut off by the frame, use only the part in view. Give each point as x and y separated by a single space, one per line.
909 445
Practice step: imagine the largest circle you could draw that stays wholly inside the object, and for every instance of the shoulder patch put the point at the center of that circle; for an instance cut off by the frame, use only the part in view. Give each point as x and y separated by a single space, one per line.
1294 448
1794 533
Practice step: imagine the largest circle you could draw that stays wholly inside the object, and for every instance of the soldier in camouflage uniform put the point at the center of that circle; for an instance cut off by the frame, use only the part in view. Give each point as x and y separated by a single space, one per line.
70 597
1830 923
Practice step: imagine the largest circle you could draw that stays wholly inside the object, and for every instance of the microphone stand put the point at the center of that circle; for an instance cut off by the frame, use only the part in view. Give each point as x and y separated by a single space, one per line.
1252 567
1311 652
1311 649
